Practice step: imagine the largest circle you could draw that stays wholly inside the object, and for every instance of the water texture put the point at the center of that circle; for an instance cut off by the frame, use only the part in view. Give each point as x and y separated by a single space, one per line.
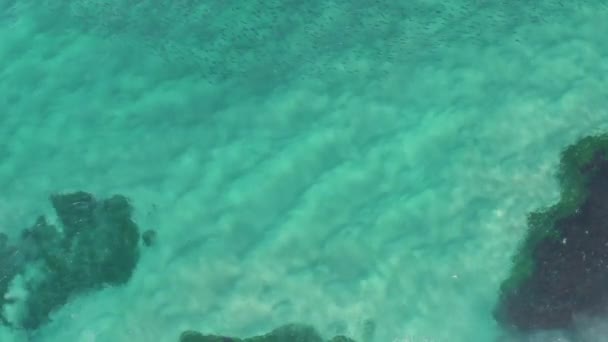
331 163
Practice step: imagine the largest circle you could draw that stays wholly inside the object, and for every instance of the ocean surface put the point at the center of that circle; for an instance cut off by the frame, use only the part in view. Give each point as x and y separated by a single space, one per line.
341 163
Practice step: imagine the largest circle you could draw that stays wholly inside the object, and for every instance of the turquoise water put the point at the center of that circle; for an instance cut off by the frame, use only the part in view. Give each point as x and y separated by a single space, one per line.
330 163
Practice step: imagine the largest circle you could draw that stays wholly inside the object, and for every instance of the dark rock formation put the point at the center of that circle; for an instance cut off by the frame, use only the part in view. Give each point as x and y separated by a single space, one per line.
286 333
96 246
561 269
149 237
9 268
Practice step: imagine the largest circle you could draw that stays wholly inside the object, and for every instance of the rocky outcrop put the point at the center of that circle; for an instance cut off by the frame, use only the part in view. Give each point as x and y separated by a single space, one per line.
95 245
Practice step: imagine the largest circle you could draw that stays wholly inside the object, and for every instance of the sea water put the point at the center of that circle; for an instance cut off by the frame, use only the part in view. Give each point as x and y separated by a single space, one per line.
334 163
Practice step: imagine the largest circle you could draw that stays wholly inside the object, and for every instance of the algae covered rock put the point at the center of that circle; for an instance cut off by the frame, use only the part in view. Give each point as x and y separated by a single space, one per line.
561 269
9 268
341 338
285 333
149 237
96 245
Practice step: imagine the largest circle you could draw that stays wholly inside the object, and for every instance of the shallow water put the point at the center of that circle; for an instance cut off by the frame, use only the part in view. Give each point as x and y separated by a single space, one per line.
330 163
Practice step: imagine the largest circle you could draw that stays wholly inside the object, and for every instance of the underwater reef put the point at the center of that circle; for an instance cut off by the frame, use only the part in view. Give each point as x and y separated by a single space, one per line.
561 269
285 333
96 245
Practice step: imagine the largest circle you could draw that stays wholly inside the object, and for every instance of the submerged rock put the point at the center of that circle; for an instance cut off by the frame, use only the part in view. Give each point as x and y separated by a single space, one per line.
561 269
286 333
96 246
149 237
9 268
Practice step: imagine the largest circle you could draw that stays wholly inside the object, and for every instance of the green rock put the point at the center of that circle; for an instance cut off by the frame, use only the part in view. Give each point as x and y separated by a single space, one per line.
341 338
97 246
149 237
286 333
560 269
